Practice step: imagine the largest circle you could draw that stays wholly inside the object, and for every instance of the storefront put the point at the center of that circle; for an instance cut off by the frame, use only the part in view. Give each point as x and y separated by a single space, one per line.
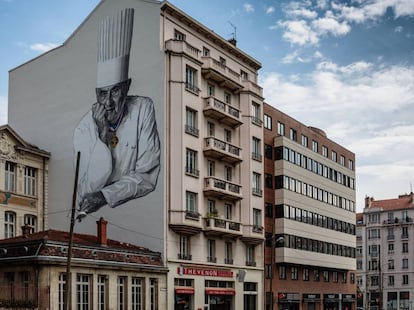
219 298
311 301
184 298
288 301
348 300
331 301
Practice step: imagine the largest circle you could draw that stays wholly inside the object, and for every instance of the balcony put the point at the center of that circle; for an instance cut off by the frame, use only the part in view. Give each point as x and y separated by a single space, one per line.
184 256
212 259
252 87
252 234
257 192
224 76
221 150
257 156
222 112
191 171
217 227
251 263
221 189
185 222
191 130
179 47
228 261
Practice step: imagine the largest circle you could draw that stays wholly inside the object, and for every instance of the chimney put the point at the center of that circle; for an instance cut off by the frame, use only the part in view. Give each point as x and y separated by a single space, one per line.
26 230
366 201
232 41
102 236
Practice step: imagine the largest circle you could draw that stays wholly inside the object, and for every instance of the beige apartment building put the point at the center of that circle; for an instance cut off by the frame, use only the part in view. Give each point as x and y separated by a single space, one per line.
385 253
205 212
23 184
309 217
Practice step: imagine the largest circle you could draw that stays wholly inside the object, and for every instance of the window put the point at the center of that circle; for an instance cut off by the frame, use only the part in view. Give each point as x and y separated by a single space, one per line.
268 271
268 209
316 275
268 150
153 294
184 247
305 274
326 276
227 135
250 256
191 163
351 164
256 114
191 122
191 79
405 279
9 224
282 272
222 61
121 293
280 129
31 220
257 220
315 146
335 276
30 181
210 90
334 156
390 264
324 151
102 292
256 149
210 129
228 173
352 278
206 52
62 291
83 292
293 134
342 160
267 122
244 75
405 247
405 263
257 184
294 273
344 277
228 211
10 177
210 168
228 253
268 180
137 293
304 141
211 251
227 97
179 36
191 202
390 280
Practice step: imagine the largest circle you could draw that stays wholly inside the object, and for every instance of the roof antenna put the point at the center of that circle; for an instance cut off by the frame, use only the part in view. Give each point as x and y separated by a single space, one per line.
233 40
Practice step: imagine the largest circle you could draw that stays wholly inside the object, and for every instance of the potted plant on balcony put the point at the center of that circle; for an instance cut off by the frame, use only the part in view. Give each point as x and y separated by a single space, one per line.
212 214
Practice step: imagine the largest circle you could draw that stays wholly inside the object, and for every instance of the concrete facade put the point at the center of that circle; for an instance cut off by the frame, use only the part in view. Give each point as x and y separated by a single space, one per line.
310 217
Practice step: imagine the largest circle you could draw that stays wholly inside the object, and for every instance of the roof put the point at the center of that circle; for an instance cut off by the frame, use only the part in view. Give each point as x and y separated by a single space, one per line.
53 244
400 203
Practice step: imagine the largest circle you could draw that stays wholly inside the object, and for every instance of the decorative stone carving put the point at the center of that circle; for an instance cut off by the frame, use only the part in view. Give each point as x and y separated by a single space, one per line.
7 150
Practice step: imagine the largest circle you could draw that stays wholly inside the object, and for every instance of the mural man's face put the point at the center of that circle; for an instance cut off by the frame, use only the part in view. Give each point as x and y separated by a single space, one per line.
113 99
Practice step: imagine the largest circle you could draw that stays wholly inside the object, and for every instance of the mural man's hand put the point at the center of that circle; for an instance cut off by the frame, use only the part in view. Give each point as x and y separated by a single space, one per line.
98 114
92 202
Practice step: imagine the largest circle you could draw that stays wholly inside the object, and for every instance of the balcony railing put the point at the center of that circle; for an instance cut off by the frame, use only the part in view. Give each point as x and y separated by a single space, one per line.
184 256
257 191
220 73
182 47
256 120
222 150
250 263
228 261
191 130
257 156
222 189
222 227
192 88
192 171
212 259
222 112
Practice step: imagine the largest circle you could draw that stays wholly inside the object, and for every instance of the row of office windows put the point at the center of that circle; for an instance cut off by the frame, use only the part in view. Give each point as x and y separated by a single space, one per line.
289 183
310 164
10 223
267 120
308 244
135 286
336 276
29 179
309 217
376 281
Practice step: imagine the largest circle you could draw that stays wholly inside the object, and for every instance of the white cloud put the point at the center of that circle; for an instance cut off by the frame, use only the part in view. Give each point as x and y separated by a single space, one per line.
299 32
270 10
248 7
300 56
43 47
328 25
305 13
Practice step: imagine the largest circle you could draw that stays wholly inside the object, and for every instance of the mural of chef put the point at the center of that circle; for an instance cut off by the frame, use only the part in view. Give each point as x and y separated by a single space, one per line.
118 138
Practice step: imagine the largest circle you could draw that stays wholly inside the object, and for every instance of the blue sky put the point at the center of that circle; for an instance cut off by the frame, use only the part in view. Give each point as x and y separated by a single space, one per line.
346 67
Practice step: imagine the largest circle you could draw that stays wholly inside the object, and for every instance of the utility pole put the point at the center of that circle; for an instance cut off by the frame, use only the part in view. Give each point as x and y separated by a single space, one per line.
68 292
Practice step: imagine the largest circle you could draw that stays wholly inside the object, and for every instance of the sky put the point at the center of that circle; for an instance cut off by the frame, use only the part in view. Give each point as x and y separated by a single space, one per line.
346 67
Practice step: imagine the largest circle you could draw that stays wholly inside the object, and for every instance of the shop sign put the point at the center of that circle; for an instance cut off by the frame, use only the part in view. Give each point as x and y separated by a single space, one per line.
211 291
184 290
205 272
348 297
288 297
331 297
311 297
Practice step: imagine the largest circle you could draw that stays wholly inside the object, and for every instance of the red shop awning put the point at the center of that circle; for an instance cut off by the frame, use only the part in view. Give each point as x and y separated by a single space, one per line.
184 290
218 291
